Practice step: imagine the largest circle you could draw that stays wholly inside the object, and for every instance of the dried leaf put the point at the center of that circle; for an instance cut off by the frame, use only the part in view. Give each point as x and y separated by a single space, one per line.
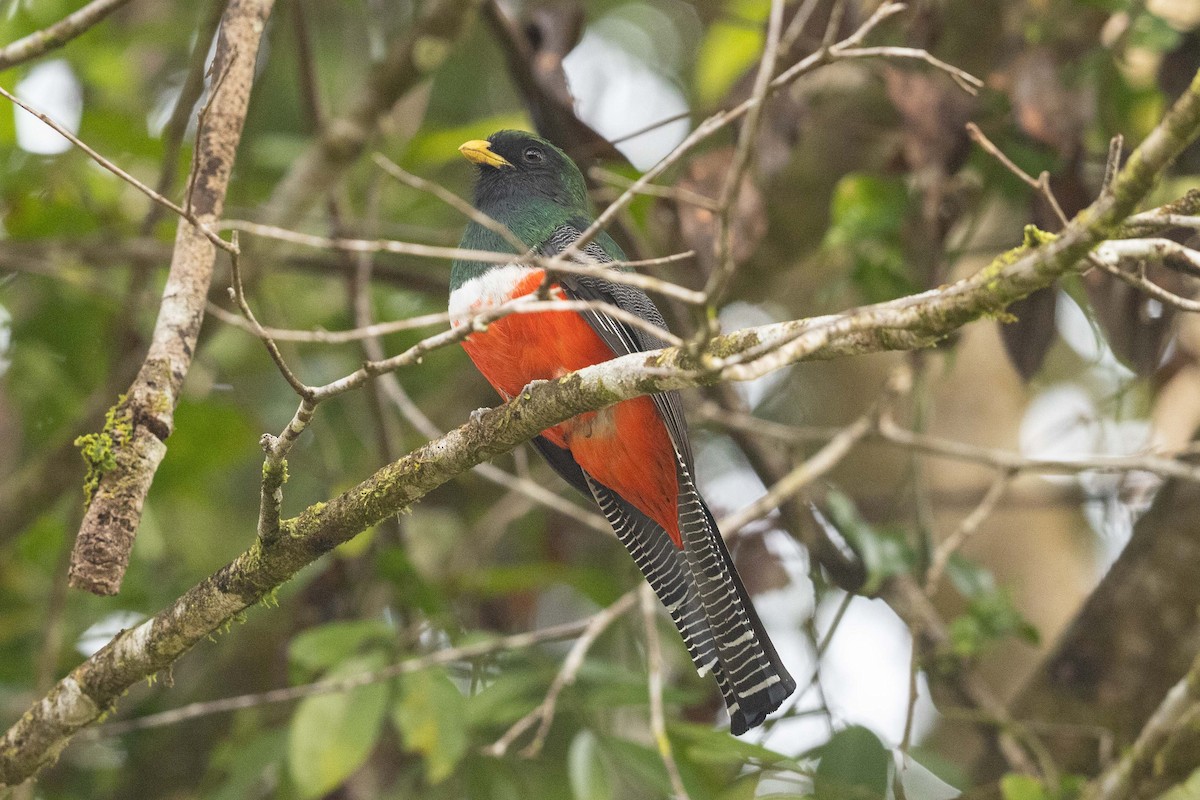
1028 338
1136 326
933 112
1046 109
698 226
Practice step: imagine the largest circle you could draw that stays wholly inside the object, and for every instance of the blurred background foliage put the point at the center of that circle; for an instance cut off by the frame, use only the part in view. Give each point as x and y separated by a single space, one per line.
864 188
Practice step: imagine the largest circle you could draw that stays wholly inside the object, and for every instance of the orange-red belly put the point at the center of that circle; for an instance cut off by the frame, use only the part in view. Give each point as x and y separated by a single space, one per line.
625 447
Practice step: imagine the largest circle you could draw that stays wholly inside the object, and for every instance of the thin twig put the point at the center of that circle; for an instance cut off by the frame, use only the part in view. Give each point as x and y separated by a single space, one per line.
963 79
654 683
802 475
675 193
489 647
560 263
1149 287
795 28
1041 183
451 199
237 293
544 713
966 529
202 121
722 275
120 173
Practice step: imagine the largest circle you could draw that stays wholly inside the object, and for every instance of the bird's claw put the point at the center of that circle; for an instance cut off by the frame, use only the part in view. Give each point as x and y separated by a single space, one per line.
478 413
533 384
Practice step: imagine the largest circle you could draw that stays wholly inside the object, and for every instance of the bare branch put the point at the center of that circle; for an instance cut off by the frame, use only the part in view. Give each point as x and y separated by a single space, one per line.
1180 710
451 199
1169 253
654 682
62 131
41 42
560 263
804 474
544 713
966 529
450 655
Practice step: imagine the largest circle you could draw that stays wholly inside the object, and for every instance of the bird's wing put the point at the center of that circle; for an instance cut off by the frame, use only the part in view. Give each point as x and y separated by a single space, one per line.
621 337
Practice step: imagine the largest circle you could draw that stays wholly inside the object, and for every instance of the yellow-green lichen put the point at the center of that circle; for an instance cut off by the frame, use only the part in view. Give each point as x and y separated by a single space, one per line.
1036 237
97 448
281 470
271 598
1033 237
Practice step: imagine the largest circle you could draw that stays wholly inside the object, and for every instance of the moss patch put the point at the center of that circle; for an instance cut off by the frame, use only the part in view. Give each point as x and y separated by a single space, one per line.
97 448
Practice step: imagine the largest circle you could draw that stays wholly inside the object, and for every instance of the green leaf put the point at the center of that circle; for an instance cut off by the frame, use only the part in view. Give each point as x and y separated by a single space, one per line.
867 218
729 49
1022 787
968 577
319 648
868 206
589 778
1153 33
990 616
332 734
249 764
637 764
430 715
708 745
854 766
884 551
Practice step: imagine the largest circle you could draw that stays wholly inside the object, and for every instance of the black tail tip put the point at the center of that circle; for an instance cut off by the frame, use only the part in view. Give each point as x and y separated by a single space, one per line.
752 711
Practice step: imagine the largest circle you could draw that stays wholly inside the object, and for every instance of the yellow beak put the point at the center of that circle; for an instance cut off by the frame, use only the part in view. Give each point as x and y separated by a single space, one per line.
479 151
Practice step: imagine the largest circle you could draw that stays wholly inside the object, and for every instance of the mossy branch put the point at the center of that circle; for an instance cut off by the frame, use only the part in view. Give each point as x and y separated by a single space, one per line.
80 698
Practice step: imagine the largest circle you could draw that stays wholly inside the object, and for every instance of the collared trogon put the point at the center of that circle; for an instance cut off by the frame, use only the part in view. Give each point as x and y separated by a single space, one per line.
633 458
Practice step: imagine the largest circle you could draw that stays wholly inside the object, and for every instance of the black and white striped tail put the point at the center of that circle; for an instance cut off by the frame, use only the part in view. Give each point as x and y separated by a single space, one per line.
706 600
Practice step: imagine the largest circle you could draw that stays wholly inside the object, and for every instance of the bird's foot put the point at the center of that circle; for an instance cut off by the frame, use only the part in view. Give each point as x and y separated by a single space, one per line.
533 384
478 413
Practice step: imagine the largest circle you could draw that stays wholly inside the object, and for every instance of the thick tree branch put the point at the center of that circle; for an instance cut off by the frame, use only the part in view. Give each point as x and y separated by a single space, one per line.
126 454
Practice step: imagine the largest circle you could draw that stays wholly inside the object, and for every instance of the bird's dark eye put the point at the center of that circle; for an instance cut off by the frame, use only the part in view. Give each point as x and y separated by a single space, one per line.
533 155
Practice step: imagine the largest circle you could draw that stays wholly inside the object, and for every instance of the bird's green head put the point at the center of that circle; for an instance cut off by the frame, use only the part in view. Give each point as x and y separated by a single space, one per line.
516 168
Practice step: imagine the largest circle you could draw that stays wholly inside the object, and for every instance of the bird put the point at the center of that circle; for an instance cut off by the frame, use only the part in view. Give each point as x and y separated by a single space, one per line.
633 458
